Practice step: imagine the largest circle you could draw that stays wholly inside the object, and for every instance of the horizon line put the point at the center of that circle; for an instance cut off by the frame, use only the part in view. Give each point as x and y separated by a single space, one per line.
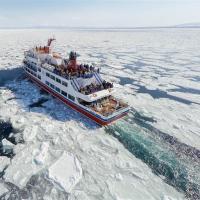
97 27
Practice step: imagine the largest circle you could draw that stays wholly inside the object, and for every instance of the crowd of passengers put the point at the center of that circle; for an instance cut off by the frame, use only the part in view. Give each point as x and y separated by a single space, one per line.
82 71
106 105
92 88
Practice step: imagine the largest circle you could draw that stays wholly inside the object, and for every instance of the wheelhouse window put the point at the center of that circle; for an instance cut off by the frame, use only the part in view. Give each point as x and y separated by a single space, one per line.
64 83
58 80
71 97
64 93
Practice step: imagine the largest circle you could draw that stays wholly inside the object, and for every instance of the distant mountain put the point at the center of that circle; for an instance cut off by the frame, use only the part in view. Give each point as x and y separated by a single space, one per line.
189 25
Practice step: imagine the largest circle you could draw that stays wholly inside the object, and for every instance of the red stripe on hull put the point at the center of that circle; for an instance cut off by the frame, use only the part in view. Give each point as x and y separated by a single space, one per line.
87 114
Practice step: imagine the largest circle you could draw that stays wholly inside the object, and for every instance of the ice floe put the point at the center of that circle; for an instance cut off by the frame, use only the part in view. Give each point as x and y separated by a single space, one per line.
155 60
66 172
3 189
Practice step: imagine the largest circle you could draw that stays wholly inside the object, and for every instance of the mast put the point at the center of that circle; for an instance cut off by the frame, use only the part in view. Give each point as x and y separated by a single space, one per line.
48 49
50 40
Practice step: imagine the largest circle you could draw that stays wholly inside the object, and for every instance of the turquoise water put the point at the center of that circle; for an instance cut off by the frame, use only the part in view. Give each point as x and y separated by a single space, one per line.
178 170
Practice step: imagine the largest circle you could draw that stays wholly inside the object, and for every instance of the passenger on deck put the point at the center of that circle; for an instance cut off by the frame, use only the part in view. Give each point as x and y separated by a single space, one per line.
107 85
69 69
92 88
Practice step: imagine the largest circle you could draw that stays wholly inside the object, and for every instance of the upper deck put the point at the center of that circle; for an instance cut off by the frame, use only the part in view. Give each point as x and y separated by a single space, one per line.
88 86
85 79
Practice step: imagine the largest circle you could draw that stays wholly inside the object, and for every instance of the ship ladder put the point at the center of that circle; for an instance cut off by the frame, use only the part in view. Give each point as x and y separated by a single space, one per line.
75 85
98 78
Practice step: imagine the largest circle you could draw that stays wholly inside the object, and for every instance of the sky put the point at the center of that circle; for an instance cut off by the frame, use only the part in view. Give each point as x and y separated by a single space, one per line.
98 13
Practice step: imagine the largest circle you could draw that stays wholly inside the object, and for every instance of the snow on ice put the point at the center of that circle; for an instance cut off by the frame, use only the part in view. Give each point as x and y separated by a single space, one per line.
3 189
138 62
66 172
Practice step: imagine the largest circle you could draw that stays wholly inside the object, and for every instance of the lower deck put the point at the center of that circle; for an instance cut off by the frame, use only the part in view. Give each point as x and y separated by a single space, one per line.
106 106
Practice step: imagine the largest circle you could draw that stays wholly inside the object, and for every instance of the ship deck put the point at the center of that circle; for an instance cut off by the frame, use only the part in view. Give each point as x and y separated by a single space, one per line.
86 84
108 107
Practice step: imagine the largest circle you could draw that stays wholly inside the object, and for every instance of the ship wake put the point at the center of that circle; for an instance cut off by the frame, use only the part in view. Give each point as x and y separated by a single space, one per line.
172 161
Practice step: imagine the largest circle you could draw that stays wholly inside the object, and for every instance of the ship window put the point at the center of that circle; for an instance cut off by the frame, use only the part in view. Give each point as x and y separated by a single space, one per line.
53 77
58 80
47 82
64 83
52 86
64 93
47 74
39 77
57 89
71 97
39 69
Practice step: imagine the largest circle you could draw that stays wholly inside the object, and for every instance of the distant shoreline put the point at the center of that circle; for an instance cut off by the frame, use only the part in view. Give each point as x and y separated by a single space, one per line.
102 28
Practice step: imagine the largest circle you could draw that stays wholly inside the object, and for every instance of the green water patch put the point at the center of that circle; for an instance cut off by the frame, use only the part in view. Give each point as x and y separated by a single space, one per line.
159 156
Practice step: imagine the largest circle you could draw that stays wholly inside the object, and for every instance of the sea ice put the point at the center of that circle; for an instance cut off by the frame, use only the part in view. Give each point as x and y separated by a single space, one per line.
41 154
3 189
66 172
153 59
29 160
4 162
7 143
